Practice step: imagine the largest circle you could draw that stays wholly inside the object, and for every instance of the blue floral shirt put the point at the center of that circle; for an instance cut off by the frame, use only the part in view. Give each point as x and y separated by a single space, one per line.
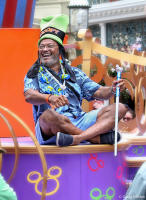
45 83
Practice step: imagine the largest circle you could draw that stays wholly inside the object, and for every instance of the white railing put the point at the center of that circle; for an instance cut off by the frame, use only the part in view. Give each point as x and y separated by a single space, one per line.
116 11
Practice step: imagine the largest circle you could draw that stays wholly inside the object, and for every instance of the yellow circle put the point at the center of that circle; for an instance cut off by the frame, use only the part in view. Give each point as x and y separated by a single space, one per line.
49 193
53 168
35 180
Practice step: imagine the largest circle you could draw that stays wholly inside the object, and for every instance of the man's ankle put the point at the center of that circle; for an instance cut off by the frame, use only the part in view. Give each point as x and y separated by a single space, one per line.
76 139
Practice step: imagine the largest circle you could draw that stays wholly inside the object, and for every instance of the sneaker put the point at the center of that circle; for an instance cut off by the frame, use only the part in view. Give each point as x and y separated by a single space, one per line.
109 138
63 139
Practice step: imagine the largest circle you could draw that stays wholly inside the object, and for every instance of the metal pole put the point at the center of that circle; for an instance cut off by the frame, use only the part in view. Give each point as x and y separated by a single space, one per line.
119 71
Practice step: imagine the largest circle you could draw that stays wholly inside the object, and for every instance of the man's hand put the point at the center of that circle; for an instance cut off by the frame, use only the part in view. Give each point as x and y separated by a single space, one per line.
118 83
58 101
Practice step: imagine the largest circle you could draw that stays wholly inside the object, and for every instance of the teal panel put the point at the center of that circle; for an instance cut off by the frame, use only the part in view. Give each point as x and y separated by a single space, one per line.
123 35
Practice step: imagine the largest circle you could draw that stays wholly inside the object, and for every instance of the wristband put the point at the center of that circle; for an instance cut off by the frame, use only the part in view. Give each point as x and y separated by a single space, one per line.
113 91
47 98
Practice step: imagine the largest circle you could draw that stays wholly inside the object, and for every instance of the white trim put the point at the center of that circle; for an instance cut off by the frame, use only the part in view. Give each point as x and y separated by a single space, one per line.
103 39
117 11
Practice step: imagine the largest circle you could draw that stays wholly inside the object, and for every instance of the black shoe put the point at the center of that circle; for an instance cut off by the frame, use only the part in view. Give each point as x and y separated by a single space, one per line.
63 139
109 138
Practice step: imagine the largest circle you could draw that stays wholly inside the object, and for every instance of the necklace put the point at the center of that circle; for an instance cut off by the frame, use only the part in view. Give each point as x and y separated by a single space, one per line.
62 86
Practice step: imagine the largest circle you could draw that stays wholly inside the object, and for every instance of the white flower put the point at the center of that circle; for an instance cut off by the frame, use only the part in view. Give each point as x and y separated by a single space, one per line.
113 69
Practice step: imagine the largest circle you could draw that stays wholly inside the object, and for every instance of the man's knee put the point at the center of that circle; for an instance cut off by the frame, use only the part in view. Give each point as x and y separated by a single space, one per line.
111 109
51 116
122 110
47 116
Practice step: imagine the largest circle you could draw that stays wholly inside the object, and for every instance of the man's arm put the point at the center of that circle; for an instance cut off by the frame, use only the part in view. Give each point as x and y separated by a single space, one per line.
105 92
37 98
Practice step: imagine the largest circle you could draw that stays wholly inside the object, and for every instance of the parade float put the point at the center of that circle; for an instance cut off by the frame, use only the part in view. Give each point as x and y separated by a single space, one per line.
89 172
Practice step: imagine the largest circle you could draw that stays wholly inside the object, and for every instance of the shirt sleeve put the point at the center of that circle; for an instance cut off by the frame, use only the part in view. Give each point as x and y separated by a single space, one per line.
88 86
6 192
30 83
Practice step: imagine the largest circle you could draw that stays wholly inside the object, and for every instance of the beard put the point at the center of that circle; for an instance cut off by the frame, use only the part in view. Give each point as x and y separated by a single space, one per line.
51 61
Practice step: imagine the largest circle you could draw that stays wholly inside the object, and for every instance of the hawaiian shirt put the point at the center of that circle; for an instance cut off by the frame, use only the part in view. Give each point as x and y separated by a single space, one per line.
46 84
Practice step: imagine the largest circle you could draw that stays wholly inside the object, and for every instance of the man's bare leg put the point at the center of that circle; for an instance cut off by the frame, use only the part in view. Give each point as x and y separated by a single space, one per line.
105 122
51 122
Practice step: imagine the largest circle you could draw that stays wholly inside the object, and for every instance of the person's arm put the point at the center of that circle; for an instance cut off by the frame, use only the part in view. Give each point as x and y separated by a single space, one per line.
92 90
37 98
105 92
33 96
6 192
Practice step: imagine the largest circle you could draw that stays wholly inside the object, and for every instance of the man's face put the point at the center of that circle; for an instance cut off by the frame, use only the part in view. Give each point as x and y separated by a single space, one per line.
49 52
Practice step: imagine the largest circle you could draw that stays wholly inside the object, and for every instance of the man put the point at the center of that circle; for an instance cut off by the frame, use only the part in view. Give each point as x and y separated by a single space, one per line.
56 91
